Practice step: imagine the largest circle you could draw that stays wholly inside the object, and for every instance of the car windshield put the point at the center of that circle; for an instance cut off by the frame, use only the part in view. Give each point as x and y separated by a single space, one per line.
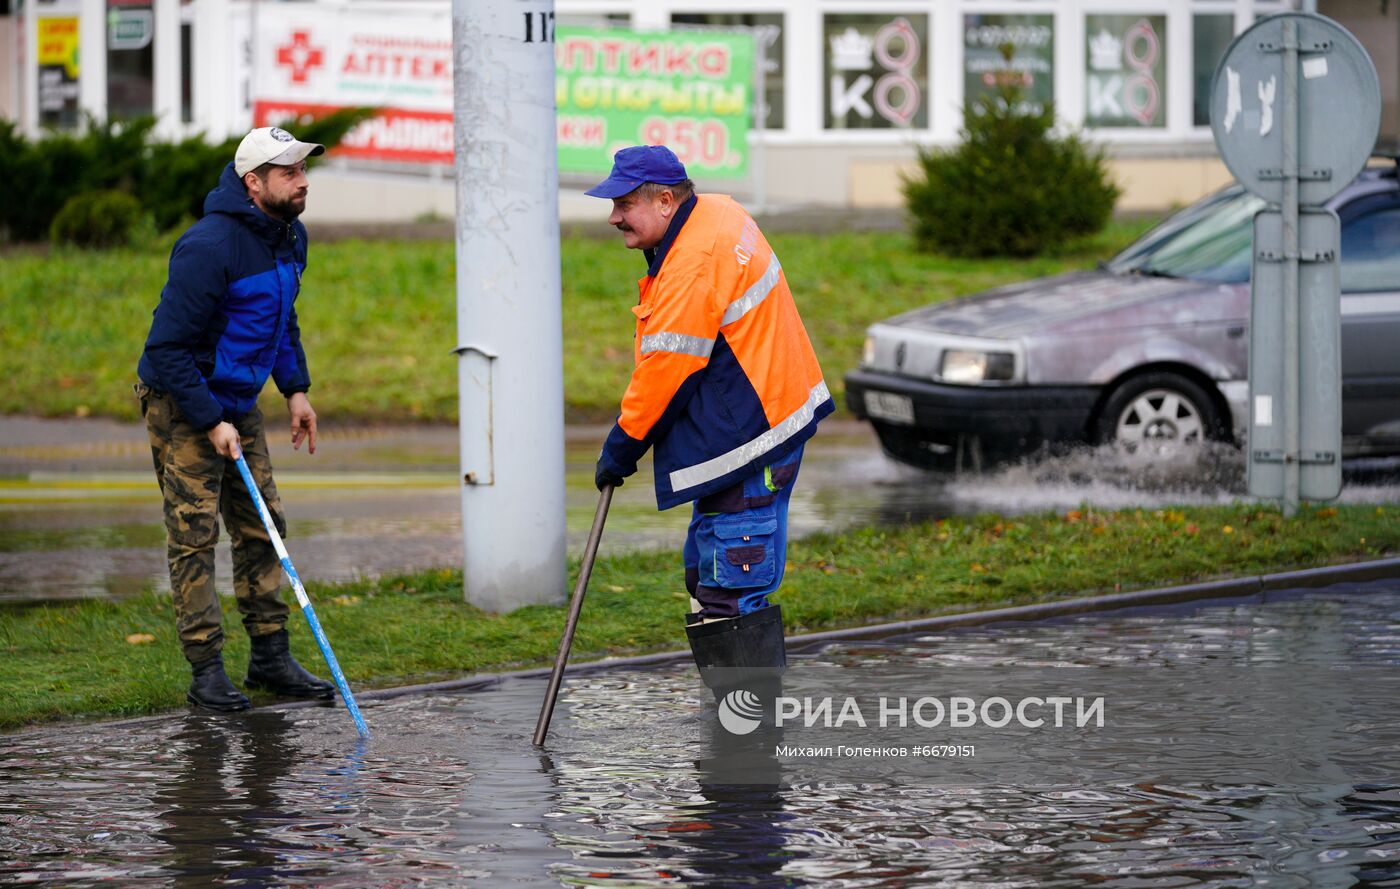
1209 241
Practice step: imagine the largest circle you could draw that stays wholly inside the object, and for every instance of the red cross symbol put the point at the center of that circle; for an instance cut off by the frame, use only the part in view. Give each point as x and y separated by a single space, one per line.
300 56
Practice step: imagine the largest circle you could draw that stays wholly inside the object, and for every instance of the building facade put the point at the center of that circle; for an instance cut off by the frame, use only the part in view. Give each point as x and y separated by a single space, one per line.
849 89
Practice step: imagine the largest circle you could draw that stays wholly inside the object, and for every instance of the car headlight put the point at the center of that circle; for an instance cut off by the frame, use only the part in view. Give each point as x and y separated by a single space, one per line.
969 366
867 352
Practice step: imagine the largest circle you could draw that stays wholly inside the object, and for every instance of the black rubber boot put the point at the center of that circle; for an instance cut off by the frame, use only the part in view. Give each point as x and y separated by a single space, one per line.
272 668
211 688
741 652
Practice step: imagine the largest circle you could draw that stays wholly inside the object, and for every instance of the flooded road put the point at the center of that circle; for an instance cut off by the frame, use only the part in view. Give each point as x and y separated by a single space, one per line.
80 515
449 791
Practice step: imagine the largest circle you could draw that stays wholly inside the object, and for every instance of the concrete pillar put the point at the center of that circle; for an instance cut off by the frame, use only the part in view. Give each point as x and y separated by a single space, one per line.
509 318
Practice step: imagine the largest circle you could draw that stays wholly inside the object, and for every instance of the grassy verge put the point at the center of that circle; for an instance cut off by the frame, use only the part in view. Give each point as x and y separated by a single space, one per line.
378 317
63 660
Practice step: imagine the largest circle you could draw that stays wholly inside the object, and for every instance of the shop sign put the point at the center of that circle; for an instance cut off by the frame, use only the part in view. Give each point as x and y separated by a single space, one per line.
312 60
1126 60
689 90
129 28
876 71
1032 65
692 91
58 70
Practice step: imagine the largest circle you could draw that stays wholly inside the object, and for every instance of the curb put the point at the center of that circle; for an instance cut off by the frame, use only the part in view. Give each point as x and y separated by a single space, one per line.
1232 588
1254 587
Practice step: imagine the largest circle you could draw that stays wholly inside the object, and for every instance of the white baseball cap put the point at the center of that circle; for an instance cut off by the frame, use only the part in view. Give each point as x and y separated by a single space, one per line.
272 145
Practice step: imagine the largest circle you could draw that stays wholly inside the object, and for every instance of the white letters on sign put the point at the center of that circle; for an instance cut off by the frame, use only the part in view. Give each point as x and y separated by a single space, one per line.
1266 98
846 98
1103 96
1233 103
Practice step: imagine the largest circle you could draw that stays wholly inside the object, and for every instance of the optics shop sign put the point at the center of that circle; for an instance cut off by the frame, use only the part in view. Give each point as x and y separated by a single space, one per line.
876 71
690 90
313 60
1127 68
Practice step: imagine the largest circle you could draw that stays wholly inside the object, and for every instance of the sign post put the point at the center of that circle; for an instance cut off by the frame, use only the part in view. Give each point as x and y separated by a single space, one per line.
1295 109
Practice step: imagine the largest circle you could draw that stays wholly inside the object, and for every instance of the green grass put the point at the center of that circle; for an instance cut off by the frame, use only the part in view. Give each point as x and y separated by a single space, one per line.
379 318
62 660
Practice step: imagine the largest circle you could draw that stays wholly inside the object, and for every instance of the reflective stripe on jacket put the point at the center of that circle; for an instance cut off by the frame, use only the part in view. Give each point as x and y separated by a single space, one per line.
726 379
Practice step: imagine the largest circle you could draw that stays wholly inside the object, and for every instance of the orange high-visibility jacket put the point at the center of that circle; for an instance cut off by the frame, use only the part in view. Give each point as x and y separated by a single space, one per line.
726 380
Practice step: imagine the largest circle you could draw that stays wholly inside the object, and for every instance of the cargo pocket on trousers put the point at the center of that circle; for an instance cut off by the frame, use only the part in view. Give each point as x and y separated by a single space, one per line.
744 554
143 395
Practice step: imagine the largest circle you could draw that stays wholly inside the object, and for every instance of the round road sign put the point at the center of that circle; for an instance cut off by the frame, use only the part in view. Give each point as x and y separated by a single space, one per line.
1339 107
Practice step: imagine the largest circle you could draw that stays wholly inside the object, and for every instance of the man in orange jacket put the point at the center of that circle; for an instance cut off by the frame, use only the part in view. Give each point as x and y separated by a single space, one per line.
726 391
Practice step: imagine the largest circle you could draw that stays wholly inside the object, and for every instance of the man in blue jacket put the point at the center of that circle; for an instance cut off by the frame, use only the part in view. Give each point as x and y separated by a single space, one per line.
225 322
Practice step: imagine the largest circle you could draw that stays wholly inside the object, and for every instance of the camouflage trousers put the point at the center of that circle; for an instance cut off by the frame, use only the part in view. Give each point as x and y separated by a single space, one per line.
198 486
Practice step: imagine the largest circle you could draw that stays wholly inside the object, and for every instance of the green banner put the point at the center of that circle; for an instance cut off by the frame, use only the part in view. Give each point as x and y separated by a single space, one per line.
689 90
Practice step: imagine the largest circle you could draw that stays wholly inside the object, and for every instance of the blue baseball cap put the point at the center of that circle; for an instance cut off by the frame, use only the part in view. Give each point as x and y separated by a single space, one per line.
641 163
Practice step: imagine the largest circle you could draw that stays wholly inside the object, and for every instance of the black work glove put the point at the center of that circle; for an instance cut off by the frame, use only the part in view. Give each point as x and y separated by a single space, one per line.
603 476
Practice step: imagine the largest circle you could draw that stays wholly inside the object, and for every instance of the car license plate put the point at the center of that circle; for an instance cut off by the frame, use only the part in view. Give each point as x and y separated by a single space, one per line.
890 406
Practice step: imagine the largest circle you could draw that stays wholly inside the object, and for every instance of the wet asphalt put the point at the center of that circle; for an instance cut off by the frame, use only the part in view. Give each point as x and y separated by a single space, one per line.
80 514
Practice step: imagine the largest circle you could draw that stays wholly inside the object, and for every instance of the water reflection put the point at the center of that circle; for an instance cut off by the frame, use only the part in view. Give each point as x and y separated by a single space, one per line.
639 785
733 832
221 795
1375 809
687 802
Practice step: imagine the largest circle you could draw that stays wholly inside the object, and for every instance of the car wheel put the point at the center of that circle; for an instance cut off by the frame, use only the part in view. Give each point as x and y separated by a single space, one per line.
1159 415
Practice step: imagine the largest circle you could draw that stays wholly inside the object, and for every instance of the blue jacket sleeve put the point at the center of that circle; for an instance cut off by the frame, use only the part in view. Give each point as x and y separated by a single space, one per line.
621 451
191 296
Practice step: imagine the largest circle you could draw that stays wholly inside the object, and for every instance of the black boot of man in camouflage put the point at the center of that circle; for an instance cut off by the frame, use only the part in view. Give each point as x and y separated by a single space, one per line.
272 668
211 689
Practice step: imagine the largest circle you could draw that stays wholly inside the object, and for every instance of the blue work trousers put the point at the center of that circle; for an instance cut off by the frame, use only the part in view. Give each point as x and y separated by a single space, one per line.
736 548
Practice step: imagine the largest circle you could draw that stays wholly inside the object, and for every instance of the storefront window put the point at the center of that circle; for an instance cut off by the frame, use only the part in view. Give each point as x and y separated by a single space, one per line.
1126 71
186 76
1210 37
768 37
876 71
130 58
58 71
186 61
1031 40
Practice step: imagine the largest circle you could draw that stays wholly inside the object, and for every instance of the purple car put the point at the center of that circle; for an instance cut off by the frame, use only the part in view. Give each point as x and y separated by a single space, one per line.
1148 352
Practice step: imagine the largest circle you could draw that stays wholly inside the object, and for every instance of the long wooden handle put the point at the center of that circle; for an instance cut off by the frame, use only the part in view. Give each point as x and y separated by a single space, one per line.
585 568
